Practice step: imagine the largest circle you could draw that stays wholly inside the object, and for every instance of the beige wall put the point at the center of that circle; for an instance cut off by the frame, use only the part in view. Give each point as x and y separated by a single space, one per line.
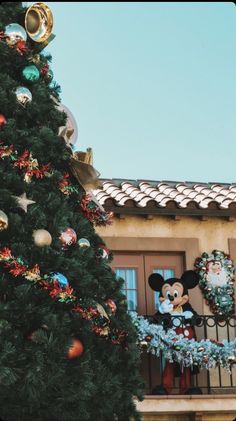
212 234
191 408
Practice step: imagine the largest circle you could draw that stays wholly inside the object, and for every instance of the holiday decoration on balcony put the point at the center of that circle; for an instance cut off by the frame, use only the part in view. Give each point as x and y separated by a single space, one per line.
216 271
174 301
206 353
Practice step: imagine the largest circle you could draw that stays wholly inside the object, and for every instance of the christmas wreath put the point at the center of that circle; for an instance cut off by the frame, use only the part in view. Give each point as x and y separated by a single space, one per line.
216 273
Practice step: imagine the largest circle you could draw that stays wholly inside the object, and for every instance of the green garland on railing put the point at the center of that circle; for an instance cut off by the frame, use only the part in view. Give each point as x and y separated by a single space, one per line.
206 353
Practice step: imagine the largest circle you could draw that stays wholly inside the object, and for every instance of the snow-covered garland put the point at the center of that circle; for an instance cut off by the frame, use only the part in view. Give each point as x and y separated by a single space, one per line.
206 353
216 273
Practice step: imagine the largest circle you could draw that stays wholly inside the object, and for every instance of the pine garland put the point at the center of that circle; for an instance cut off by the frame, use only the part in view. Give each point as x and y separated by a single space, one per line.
206 353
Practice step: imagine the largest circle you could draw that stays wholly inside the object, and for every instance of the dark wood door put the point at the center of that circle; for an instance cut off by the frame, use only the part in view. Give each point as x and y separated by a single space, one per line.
135 269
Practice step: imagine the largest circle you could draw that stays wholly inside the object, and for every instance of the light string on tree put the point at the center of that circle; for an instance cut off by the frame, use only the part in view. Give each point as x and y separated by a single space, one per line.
95 314
206 353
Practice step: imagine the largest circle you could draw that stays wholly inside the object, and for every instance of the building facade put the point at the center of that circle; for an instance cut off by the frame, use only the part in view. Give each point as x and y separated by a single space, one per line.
164 227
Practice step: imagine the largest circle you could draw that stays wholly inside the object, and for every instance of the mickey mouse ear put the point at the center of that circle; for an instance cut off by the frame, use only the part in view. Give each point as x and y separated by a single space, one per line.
156 281
190 279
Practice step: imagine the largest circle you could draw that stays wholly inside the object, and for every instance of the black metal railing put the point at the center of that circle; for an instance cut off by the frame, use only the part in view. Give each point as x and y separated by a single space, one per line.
213 381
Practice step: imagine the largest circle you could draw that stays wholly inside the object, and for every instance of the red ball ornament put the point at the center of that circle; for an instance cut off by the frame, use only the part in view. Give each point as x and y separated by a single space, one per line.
111 304
30 337
105 252
68 238
2 120
76 349
44 70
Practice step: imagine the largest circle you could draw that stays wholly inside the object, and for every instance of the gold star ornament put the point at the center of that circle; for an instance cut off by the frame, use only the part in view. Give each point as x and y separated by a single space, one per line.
23 202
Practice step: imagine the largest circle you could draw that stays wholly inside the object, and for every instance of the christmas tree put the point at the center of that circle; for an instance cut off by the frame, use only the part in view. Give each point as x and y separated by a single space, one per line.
68 346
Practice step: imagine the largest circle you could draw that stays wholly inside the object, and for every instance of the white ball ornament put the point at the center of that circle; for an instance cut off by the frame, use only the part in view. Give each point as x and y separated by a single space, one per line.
42 238
3 221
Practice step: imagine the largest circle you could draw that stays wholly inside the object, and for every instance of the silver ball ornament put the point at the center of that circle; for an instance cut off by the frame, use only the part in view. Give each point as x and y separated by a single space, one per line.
84 243
3 221
15 33
23 95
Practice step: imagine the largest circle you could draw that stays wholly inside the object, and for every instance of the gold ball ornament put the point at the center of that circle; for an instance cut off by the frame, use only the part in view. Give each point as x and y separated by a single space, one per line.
42 238
3 221
84 243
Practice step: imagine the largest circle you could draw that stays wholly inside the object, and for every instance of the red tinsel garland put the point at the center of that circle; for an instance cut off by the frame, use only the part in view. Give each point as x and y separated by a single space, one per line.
25 162
20 46
65 185
94 213
100 325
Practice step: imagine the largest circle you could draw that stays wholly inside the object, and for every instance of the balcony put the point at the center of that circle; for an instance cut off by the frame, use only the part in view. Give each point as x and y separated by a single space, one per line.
216 397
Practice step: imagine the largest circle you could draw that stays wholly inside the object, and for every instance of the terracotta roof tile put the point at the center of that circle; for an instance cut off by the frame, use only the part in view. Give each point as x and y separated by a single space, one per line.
167 193
231 195
225 204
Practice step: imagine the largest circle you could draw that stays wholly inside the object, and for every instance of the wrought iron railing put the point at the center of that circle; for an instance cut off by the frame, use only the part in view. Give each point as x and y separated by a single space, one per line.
213 381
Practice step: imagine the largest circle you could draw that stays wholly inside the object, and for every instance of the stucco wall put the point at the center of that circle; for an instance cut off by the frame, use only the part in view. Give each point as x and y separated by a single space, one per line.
212 234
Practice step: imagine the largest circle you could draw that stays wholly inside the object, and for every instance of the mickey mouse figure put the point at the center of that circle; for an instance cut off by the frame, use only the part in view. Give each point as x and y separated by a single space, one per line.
174 301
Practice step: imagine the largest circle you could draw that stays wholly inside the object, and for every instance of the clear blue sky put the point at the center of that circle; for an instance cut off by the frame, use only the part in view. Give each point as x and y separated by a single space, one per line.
152 86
